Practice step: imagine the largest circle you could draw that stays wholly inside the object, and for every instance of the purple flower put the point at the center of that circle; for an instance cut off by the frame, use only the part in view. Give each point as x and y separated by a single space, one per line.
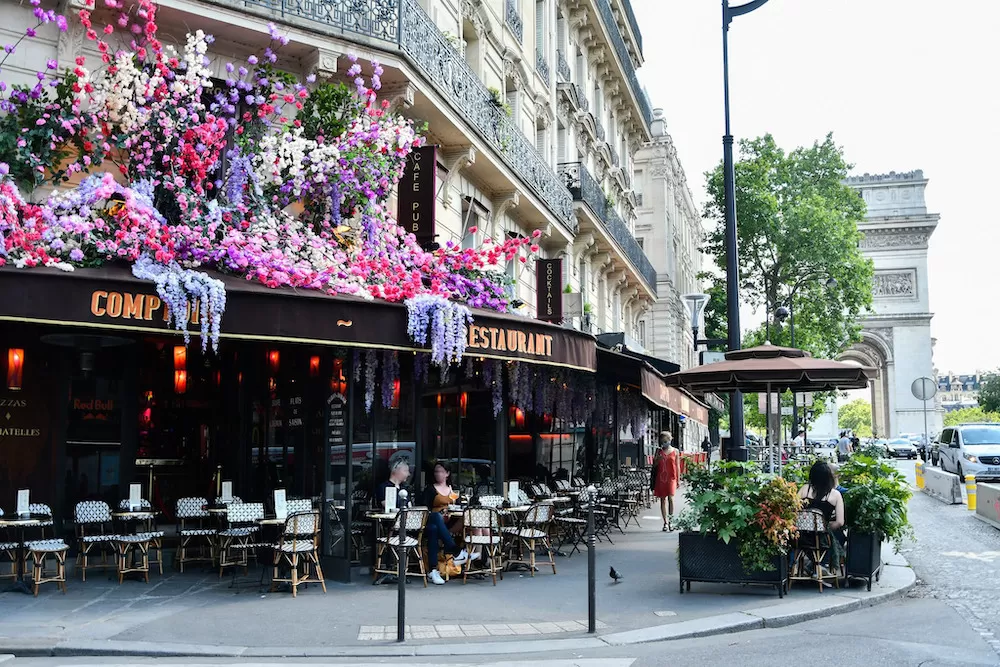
52 63
61 22
4 168
30 32
252 60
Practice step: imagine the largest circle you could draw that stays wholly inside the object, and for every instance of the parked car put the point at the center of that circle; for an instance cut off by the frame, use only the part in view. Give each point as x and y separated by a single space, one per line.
971 449
901 448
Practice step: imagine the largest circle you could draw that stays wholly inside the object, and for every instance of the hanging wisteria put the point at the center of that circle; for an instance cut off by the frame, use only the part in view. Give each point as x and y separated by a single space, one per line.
444 322
495 370
371 369
421 367
390 376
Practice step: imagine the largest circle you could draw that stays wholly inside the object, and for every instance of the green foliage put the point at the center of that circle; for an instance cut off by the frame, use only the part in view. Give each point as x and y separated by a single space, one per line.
989 393
498 101
876 498
797 228
856 416
735 500
797 472
966 415
327 110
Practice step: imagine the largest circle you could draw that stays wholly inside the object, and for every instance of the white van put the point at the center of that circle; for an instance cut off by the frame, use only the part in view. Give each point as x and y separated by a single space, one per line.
970 449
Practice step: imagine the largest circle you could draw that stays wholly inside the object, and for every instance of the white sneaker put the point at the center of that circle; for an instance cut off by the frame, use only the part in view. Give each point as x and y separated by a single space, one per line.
435 578
475 556
461 557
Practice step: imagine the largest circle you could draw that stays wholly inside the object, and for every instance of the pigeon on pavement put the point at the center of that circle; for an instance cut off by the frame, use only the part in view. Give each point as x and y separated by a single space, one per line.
616 575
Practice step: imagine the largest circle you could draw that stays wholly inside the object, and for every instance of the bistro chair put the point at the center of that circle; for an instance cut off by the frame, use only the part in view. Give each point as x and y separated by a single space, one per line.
236 541
400 537
93 532
491 501
43 509
219 502
571 529
533 533
519 498
298 505
8 550
146 527
812 546
298 545
482 531
40 551
191 518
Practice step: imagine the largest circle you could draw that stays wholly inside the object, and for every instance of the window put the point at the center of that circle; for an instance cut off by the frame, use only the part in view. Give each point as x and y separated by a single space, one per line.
641 242
540 31
642 333
470 221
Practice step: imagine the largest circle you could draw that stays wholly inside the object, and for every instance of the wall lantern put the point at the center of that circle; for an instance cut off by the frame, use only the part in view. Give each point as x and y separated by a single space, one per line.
273 360
395 393
180 382
314 366
15 368
180 358
463 403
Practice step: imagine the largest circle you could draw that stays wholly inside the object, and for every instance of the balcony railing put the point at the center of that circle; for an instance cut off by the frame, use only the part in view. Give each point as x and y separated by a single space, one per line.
600 130
428 49
371 18
562 67
581 99
614 157
585 188
542 66
608 18
513 20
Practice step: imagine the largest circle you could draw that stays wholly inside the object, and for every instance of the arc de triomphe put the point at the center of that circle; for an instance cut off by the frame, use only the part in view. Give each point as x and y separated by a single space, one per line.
896 336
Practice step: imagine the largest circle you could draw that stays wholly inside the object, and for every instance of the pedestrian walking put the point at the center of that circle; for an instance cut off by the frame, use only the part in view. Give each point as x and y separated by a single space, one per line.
844 448
666 474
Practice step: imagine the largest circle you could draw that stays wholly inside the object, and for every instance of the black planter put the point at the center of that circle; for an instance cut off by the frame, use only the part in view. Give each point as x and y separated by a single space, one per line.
706 558
864 556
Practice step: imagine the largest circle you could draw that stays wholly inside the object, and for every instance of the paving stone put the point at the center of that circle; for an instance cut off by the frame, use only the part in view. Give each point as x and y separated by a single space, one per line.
523 629
499 629
547 628
474 631
571 626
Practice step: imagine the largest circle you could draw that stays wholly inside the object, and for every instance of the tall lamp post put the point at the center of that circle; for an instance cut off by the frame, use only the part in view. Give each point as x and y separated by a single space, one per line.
736 432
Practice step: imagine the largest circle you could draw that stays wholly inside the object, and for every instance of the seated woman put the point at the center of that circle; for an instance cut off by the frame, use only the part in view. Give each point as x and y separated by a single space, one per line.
437 497
821 493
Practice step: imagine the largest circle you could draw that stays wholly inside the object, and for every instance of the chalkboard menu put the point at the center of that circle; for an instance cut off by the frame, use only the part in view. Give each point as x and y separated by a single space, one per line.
336 420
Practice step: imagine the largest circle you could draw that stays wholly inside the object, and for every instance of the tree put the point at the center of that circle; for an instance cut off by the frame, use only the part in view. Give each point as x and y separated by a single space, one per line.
989 392
966 415
797 228
856 416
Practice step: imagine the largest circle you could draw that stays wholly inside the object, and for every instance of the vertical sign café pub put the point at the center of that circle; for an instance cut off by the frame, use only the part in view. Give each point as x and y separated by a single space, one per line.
99 393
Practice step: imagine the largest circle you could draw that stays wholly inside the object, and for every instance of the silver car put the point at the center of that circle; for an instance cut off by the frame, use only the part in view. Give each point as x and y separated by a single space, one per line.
971 449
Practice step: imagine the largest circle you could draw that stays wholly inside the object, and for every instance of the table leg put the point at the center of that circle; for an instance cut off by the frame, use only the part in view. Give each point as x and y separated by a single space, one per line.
19 586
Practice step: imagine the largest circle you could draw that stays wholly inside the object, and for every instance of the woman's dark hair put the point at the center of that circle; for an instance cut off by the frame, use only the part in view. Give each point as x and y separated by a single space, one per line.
447 480
821 480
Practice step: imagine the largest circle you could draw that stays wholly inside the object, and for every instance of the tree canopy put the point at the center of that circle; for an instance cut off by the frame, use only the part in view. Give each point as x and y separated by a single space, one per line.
797 229
856 416
966 415
989 393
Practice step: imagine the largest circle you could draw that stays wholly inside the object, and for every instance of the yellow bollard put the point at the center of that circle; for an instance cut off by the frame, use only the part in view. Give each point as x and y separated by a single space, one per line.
920 474
970 491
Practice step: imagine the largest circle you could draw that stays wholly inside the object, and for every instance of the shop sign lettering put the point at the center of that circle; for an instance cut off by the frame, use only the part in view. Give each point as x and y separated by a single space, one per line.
128 306
497 339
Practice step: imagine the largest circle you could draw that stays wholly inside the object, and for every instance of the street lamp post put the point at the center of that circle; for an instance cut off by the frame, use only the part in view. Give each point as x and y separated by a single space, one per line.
736 432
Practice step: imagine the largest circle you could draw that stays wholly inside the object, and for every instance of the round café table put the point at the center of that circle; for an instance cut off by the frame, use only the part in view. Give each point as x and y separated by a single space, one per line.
19 523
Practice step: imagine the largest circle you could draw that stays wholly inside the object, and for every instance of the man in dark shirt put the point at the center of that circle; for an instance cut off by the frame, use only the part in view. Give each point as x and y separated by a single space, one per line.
399 472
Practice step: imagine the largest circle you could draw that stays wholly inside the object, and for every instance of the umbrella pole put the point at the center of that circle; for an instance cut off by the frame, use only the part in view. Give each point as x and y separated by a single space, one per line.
767 429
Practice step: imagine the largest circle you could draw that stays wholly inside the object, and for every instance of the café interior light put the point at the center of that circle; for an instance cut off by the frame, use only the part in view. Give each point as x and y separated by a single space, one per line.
180 382
15 368
314 366
180 358
274 360
463 403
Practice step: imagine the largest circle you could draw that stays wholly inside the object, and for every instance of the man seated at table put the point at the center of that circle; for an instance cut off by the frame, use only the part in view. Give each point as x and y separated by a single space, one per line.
399 472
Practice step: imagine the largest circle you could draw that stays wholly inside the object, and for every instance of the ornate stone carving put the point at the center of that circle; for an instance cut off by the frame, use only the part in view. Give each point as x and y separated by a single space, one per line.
877 239
885 333
323 62
454 160
70 43
895 283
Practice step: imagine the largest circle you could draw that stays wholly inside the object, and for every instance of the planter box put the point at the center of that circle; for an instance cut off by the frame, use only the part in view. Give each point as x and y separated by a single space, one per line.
706 558
864 556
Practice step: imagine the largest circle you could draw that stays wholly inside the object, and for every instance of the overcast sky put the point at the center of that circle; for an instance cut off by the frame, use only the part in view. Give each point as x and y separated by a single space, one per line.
902 84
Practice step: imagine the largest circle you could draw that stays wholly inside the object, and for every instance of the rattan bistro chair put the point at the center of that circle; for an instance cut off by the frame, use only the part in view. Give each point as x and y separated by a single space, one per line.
532 533
93 534
482 531
146 527
193 533
236 541
812 546
408 537
8 550
40 551
298 545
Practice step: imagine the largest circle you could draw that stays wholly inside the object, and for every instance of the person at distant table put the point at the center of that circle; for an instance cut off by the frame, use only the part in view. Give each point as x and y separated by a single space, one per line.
437 497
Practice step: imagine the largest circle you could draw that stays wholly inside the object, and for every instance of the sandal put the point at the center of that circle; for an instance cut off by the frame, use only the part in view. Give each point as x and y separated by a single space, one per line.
665 528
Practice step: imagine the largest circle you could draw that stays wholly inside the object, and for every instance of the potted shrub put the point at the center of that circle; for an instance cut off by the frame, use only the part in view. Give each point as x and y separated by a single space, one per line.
737 526
875 508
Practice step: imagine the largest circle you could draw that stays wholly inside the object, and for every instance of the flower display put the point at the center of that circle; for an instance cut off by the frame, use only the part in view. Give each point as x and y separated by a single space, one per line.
190 174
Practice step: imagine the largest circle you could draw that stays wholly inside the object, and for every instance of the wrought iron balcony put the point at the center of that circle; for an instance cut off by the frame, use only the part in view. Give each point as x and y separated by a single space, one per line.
614 157
428 49
562 67
581 99
608 18
513 19
585 188
542 66
600 130
371 18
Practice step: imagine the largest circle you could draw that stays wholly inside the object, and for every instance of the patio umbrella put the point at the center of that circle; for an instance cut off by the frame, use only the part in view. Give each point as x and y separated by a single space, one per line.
769 368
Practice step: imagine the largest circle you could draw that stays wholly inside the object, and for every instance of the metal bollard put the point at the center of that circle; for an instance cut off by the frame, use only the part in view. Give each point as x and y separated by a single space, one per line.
401 583
970 491
591 564
920 474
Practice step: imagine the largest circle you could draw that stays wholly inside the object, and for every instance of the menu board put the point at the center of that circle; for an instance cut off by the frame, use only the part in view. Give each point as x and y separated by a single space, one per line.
280 504
23 501
227 493
134 497
336 420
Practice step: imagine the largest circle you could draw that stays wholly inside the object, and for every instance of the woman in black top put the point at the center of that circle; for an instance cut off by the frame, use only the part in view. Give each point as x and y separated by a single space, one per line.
821 493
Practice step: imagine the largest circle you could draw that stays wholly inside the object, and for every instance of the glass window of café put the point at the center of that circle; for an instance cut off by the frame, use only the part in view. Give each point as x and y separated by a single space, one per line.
460 431
543 449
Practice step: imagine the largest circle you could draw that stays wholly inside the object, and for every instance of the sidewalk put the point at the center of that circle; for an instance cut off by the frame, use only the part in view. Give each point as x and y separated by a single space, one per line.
199 614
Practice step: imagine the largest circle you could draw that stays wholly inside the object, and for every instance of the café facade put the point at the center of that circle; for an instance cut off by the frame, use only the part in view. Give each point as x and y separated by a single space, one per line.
307 392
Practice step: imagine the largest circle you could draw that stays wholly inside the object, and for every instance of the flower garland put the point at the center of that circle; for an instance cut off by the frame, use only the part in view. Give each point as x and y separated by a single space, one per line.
371 368
390 374
185 292
444 321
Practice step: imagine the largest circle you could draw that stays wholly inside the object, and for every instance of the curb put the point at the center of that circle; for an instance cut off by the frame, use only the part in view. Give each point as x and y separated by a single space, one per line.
775 616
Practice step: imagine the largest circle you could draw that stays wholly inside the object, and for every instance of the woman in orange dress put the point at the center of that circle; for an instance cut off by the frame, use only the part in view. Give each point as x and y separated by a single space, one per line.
666 474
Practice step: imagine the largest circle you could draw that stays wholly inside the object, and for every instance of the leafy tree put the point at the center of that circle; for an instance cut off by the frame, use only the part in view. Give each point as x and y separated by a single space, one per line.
966 415
856 416
989 393
797 229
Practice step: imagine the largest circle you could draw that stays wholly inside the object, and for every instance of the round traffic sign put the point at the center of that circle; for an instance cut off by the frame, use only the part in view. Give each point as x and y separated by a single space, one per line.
923 389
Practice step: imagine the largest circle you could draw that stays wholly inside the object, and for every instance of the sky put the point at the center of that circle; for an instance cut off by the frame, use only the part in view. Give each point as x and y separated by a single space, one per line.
903 85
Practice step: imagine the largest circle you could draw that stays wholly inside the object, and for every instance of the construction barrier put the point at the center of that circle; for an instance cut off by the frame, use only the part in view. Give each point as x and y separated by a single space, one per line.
944 486
988 503
970 491
920 474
